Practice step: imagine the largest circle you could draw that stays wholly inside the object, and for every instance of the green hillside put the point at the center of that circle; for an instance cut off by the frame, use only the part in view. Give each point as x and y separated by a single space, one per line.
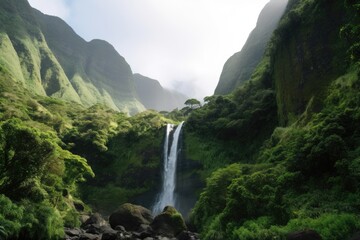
281 153
50 59
49 148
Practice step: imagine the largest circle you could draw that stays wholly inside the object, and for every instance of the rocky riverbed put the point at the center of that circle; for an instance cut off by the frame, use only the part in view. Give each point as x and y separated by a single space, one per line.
133 222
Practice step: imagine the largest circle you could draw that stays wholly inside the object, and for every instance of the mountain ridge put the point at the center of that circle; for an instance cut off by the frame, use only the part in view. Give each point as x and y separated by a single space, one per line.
154 96
239 67
50 58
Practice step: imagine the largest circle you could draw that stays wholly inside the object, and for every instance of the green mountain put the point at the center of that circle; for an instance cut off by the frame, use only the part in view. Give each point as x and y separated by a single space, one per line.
239 67
281 152
279 155
154 96
50 59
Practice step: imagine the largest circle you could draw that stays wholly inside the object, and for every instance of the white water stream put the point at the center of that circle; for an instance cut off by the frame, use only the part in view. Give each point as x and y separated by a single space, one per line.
166 196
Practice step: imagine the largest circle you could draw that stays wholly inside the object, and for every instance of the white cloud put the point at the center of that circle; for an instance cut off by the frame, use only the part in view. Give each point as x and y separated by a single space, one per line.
182 43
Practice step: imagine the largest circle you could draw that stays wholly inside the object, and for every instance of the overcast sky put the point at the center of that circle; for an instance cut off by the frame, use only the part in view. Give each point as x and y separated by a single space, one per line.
182 43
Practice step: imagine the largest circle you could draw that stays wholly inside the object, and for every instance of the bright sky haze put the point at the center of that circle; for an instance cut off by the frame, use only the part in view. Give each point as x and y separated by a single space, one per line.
182 43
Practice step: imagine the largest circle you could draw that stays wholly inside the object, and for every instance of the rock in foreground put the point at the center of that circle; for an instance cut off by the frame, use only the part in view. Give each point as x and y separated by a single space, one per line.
132 222
130 216
169 222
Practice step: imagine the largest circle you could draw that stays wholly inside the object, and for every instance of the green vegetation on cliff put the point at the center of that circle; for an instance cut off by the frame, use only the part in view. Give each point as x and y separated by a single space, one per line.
291 134
50 59
279 154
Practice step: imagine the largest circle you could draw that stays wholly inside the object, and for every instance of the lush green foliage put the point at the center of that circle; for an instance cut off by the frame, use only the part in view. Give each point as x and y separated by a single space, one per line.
238 124
306 176
45 148
127 162
303 175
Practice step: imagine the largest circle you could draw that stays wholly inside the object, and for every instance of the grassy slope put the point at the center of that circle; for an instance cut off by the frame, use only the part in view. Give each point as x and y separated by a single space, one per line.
98 73
50 59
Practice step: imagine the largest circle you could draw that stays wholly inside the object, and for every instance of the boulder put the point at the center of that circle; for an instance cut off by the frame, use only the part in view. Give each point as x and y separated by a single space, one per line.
93 229
304 235
187 235
84 218
130 216
144 228
95 219
169 223
111 235
73 232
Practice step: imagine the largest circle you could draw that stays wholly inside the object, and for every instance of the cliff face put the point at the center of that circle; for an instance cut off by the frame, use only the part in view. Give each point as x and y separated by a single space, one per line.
239 67
308 56
297 122
154 96
49 58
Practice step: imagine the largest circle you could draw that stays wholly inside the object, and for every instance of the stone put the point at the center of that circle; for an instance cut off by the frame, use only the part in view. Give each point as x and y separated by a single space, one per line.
84 218
89 236
130 216
109 236
73 232
144 227
120 228
95 219
93 228
187 235
304 235
169 223
146 234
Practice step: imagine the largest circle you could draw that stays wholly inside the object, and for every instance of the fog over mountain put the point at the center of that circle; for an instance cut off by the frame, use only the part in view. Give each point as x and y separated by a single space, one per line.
181 43
154 96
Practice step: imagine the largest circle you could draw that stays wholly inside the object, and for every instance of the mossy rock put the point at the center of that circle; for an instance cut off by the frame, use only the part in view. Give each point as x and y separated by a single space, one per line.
130 216
169 223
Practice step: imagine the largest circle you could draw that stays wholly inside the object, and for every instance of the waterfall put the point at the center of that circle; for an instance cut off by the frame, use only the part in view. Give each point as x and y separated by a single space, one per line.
166 196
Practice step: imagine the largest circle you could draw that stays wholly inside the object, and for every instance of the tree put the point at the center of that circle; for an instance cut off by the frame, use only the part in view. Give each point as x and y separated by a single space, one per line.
23 155
193 103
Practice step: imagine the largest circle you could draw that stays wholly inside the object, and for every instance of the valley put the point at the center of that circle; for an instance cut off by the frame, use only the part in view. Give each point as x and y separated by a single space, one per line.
273 154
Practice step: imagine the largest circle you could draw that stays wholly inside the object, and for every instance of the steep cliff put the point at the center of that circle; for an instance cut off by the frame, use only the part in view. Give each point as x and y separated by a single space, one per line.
282 148
308 55
239 67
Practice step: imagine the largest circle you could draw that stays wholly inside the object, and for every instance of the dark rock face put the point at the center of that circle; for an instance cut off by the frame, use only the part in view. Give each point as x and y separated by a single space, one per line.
130 216
169 222
304 235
